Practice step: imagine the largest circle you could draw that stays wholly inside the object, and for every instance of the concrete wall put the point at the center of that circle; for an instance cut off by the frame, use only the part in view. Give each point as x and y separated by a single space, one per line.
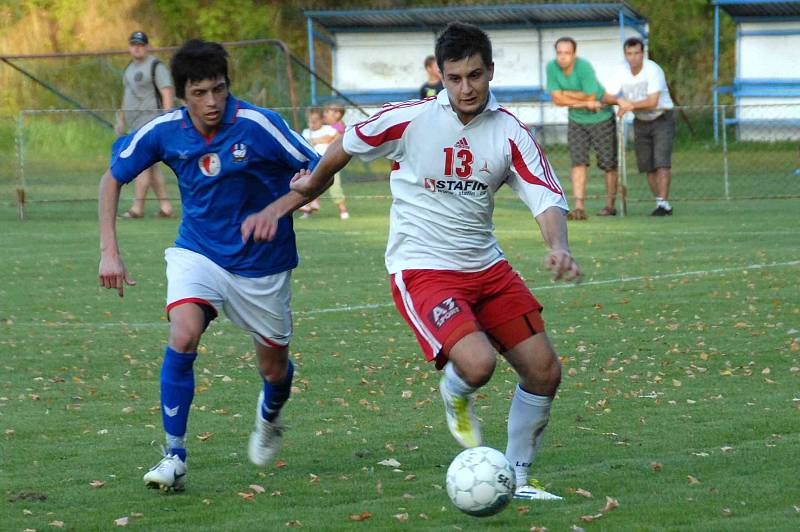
391 61
768 57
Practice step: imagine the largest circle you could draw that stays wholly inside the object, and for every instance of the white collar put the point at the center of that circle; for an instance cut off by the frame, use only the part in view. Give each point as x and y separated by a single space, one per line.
444 100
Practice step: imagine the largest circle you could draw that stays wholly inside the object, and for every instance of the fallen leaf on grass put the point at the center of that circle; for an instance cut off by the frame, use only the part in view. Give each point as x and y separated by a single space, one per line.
97 483
256 488
692 480
580 491
363 516
727 512
535 528
246 495
137 514
389 462
25 511
56 524
122 521
522 510
293 523
611 503
410 477
403 517
656 466
280 464
203 436
590 518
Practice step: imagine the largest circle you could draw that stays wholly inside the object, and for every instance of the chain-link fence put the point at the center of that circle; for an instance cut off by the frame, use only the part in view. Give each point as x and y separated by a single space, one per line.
59 155
756 156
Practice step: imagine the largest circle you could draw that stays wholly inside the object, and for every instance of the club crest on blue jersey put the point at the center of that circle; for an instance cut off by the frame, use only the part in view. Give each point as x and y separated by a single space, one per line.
210 164
239 152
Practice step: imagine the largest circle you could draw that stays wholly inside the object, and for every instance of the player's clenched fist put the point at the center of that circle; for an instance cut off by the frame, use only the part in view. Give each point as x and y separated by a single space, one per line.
563 266
300 183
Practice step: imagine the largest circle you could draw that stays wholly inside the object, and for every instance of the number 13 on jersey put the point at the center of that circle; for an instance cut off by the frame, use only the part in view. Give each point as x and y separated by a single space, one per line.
463 167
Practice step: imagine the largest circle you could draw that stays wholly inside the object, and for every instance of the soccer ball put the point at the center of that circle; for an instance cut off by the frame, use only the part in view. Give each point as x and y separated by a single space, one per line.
480 481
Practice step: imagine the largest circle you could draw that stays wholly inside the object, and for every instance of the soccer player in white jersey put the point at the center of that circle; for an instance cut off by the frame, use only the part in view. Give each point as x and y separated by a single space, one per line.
234 251
450 280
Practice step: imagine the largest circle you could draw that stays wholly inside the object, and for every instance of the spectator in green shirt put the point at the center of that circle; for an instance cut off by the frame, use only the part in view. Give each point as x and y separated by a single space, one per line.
572 83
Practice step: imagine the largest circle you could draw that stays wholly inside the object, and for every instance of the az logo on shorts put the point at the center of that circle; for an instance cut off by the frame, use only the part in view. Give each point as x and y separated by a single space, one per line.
443 312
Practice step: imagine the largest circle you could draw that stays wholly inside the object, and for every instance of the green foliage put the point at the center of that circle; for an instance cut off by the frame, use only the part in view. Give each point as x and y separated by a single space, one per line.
221 21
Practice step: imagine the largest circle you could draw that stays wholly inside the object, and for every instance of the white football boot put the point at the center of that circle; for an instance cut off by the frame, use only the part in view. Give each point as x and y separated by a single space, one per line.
534 491
168 474
461 420
266 438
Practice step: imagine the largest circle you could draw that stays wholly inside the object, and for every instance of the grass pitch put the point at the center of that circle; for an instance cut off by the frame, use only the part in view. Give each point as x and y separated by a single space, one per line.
681 364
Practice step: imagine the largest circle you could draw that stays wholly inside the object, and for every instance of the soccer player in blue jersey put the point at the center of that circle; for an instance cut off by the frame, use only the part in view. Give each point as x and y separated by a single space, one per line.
235 249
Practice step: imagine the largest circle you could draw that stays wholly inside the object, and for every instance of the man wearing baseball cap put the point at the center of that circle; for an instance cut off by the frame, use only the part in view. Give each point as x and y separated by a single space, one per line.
148 92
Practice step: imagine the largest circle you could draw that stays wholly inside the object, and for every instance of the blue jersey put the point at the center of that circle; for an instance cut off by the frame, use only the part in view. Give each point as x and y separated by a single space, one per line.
223 179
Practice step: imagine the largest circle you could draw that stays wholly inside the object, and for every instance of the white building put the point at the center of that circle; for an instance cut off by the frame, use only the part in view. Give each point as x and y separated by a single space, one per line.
766 87
377 55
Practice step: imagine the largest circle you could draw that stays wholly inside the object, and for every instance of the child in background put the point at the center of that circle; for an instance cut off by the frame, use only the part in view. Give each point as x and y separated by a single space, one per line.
319 136
334 112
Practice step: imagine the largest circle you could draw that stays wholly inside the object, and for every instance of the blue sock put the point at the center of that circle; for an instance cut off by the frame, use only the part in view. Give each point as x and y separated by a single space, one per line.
276 394
177 392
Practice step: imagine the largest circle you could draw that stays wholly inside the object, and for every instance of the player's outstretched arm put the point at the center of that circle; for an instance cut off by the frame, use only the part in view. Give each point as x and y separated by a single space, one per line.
112 272
553 224
312 184
305 186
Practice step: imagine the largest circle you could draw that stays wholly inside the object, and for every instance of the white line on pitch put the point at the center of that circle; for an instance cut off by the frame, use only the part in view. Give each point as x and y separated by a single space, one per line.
351 308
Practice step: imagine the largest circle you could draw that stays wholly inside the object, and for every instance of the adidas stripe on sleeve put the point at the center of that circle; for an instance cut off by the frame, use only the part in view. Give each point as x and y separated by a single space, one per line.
381 135
530 174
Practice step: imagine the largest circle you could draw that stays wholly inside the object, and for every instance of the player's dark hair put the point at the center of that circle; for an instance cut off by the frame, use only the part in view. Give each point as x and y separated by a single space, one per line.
198 60
633 41
459 41
569 40
429 60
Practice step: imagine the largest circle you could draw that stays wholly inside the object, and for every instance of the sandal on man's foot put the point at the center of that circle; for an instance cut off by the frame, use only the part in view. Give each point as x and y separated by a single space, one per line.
162 214
130 215
607 211
577 214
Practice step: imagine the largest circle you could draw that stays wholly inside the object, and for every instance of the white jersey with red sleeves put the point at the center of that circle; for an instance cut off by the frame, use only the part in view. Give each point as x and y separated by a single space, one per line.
444 178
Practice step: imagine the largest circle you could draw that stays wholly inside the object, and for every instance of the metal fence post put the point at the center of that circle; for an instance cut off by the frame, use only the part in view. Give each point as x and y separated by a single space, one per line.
20 167
725 174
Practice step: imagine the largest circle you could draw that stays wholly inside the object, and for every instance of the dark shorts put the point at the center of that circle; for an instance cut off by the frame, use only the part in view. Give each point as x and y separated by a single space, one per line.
653 142
601 136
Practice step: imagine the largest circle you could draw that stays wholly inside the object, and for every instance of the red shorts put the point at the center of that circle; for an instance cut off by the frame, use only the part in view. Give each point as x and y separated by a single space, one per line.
443 306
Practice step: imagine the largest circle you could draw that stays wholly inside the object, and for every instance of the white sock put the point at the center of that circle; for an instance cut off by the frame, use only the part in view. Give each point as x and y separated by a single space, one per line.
527 419
661 202
455 383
